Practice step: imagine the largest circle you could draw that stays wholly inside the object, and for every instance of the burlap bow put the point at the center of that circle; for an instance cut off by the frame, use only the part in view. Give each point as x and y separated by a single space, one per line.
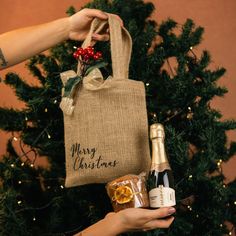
93 81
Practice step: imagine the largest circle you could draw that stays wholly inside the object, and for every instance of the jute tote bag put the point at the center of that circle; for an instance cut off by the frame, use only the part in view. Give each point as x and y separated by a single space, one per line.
105 122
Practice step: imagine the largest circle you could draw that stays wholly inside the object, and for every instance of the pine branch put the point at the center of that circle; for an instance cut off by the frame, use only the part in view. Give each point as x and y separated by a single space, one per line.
11 119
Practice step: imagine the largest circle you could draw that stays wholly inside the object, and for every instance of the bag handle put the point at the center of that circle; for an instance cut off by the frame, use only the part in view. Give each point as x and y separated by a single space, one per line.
120 41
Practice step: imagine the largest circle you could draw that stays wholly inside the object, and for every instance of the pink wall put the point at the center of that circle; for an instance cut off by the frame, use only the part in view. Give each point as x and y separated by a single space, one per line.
216 16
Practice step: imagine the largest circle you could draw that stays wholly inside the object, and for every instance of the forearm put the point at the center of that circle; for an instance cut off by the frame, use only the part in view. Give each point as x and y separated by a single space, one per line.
19 45
109 226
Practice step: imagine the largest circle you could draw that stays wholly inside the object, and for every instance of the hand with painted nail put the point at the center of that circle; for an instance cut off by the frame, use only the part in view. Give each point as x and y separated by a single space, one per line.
134 219
131 219
81 21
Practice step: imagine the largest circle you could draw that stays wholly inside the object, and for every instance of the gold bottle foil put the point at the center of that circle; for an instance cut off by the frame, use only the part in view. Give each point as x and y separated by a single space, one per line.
159 157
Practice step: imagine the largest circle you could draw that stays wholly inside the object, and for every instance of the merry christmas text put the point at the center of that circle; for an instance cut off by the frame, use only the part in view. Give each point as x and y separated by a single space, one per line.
87 158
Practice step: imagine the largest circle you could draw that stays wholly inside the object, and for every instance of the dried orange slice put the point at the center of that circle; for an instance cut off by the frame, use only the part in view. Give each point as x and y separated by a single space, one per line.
123 194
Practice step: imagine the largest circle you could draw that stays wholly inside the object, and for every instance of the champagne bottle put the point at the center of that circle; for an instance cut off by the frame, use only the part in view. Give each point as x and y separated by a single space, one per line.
160 179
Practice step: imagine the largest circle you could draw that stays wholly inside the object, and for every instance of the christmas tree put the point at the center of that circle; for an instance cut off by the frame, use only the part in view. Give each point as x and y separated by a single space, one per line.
179 89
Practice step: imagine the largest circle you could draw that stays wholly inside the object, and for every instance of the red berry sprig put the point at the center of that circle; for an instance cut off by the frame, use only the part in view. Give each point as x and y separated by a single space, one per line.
87 54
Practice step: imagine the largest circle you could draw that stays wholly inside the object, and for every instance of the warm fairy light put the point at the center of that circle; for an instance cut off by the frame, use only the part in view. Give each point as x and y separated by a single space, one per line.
32 165
15 138
19 202
190 177
46 110
147 84
26 118
190 208
49 136
55 101
191 48
34 219
230 233
19 182
62 186
221 225
22 164
234 202
224 186
12 165
189 116
219 162
197 216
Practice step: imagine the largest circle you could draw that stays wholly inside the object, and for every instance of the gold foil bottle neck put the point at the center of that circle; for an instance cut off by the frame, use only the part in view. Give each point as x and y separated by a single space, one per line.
159 157
157 131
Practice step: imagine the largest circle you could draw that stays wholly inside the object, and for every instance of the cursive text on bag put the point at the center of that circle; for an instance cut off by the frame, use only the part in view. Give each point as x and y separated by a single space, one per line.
87 158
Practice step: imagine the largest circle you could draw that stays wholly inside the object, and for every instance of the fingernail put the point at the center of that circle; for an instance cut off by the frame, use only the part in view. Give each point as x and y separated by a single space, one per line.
171 210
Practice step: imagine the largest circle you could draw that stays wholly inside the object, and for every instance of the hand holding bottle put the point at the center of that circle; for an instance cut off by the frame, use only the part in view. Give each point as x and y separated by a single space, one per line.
131 219
138 219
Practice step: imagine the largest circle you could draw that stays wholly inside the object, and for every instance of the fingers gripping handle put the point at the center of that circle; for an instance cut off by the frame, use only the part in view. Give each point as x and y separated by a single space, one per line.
120 41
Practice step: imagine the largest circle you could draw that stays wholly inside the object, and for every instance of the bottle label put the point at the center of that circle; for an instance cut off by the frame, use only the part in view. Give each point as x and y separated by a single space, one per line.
162 197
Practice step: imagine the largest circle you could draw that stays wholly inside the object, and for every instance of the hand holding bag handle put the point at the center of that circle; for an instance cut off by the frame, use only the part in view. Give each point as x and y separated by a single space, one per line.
121 44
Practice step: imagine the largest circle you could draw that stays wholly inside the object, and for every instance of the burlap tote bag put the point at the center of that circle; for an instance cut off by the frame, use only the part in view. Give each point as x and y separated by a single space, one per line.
105 122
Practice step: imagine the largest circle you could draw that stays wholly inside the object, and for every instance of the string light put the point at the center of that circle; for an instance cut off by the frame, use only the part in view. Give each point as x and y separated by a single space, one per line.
26 118
22 164
46 110
19 182
230 233
62 187
55 101
49 136
19 202
190 208
221 225
190 177
190 113
12 165
34 219
32 165
234 202
219 162
147 84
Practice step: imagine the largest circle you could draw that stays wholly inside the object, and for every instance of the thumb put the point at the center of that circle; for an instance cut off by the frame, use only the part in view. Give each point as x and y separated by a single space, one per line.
96 13
162 212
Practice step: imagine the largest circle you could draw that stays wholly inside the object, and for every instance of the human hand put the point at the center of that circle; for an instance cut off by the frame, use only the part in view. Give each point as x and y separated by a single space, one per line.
137 219
79 24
